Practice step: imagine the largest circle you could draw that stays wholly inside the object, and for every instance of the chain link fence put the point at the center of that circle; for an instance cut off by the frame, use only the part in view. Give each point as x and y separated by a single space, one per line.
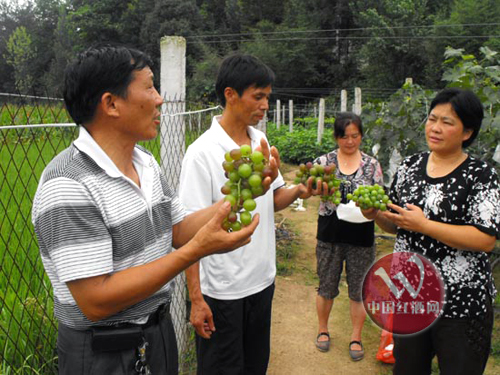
32 131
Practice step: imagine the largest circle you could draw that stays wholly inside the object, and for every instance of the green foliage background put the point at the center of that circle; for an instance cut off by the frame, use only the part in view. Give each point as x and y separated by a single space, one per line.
397 125
316 47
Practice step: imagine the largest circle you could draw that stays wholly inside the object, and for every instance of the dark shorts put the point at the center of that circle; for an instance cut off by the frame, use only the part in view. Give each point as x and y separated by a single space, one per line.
462 347
330 259
240 344
76 356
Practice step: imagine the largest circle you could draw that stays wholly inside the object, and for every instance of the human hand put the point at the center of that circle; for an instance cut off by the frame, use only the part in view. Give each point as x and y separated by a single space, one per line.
410 218
201 318
213 239
370 213
320 189
273 156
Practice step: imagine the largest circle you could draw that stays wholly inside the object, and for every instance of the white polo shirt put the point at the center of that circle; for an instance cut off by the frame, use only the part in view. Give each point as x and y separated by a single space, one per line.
251 268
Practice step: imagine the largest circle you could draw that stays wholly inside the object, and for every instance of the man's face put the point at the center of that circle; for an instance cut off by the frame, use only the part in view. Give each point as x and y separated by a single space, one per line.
140 113
252 105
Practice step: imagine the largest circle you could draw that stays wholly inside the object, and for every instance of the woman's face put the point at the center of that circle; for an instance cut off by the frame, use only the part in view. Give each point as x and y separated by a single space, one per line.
350 142
444 131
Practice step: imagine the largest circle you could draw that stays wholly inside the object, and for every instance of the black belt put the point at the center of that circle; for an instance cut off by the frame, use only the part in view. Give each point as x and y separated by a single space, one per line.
125 335
154 318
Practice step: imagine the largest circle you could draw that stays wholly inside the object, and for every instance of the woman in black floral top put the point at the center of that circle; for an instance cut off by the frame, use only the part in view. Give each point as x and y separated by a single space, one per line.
447 208
340 241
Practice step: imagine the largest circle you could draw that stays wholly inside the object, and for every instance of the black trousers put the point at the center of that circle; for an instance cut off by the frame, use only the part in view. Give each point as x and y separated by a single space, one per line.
76 356
241 341
462 347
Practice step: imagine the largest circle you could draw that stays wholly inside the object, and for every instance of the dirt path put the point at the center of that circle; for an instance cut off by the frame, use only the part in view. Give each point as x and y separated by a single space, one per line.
294 324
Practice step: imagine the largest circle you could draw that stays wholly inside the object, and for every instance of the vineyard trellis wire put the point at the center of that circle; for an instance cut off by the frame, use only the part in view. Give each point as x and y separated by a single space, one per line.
28 330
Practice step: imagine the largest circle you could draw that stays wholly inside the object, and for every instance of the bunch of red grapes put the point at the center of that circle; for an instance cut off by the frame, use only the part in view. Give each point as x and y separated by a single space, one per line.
320 174
245 171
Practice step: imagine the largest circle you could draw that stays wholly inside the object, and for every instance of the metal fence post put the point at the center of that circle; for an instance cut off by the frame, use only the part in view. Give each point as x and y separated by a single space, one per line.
290 115
172 133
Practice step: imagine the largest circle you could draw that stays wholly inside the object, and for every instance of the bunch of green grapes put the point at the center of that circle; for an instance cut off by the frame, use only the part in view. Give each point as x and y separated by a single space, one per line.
370 196
321 174
245 171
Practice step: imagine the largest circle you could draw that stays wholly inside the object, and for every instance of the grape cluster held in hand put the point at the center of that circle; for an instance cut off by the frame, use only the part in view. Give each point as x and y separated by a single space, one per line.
245 171
320 174
370 197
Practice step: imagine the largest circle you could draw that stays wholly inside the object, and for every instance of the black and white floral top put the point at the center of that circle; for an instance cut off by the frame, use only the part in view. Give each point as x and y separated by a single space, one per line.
467 196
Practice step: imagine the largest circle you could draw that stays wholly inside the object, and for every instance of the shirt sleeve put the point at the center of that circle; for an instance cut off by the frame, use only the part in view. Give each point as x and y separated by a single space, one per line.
378 177
394 190
483 203
71 230
177 210
278 182
195 172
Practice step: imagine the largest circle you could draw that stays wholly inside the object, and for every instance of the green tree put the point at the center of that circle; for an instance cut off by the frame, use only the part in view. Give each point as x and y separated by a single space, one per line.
63 51
467 25
394 48
482 76
397 125
39 18
169 18
19 55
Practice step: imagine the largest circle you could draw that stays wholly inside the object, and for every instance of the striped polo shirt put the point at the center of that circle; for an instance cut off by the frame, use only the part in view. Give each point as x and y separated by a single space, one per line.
92 220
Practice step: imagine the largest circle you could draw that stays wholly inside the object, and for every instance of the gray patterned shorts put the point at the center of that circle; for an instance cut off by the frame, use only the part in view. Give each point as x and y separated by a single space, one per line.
330 259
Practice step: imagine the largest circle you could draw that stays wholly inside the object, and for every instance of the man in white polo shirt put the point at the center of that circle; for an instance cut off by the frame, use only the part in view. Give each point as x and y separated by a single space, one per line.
106 222
231 294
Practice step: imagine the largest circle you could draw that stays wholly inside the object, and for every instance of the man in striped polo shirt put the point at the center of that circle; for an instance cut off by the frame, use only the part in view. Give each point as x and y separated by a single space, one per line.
106 222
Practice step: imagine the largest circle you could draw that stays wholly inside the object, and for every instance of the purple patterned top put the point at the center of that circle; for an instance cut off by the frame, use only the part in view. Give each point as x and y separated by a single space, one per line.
368 173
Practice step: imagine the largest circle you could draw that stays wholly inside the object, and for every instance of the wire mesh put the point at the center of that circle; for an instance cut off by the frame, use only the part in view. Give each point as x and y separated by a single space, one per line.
28 329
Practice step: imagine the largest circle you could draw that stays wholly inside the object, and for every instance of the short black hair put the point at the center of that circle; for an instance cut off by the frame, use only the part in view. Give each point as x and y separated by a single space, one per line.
343 120
99 69
466 105
239 72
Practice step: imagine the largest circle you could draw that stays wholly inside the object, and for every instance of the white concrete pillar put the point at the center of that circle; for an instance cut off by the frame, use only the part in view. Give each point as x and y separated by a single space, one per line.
357 101
262 125
343 101
283 110
290 115
172 131
278 113
173 91
321 119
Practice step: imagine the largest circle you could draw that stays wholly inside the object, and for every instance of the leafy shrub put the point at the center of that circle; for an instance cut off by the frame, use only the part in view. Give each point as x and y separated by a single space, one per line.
301 145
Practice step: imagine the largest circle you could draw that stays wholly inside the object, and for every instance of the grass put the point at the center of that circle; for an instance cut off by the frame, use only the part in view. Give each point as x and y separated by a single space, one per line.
28 329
